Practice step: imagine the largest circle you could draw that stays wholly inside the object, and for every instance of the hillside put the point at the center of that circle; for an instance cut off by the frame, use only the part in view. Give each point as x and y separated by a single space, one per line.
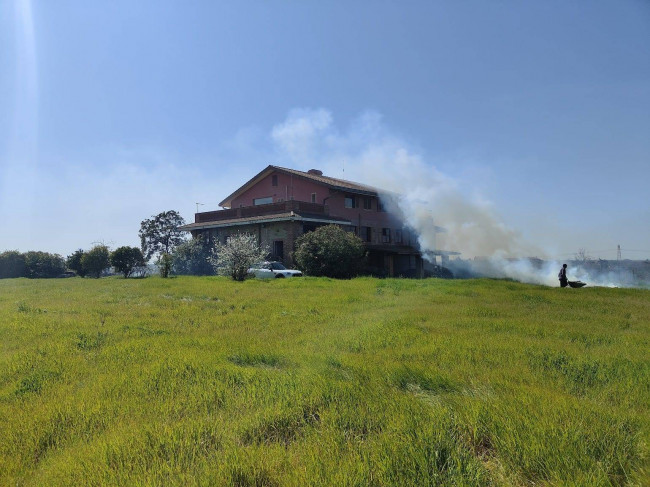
203 381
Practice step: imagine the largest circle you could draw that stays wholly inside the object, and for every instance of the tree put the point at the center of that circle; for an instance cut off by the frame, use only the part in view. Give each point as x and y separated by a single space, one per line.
192 258
160 234
126 259
12 264
237 255
96 260
330 251
74 262
582 256
164 264
43 264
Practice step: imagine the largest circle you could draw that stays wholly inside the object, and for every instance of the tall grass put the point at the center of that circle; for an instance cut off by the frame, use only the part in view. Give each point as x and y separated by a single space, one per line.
203 381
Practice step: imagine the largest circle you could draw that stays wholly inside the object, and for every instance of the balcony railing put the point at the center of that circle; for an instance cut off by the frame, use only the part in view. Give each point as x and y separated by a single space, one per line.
261 210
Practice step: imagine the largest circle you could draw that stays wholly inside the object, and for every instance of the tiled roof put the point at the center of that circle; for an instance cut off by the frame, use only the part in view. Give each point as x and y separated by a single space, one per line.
331 182
339 183
262 219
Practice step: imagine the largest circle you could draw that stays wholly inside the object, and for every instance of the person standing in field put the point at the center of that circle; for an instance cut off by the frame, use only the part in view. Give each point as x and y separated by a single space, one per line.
562 276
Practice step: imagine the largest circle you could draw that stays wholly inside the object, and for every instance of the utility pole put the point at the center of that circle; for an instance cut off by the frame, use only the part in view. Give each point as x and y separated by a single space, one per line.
197 206
618 254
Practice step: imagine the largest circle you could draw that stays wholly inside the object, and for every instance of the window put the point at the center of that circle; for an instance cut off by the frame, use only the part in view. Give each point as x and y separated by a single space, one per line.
313 197
274 180
398 236
367 203
380 205
263 201
385 235
350 202
366 234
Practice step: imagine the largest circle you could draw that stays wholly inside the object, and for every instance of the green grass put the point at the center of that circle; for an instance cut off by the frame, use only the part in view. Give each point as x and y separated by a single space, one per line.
298 382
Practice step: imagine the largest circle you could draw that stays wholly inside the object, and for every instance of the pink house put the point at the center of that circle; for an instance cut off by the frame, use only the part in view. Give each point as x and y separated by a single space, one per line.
279 204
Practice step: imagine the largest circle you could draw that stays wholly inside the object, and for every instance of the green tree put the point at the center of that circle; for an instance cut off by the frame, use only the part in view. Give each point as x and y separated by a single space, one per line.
160 234
12 264
192 258
43 264
73 262
237 255
330 251
164 263
96 260
126 259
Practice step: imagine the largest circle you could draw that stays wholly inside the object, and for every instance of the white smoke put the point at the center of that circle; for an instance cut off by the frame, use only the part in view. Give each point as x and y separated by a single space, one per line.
428 200
545 272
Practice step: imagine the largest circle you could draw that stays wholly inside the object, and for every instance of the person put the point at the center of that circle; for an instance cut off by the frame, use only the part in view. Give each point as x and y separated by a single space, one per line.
562 275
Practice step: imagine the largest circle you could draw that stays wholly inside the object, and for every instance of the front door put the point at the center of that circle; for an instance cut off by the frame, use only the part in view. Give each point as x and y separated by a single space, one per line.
278 250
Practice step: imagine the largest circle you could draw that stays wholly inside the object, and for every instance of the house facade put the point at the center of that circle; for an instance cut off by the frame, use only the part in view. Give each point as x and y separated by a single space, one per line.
278 205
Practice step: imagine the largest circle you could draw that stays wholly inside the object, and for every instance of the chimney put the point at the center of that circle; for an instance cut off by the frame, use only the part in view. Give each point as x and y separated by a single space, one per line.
315 172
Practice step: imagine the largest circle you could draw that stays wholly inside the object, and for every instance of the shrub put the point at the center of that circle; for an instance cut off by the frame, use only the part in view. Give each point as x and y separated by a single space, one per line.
73 262
12 264
164 264
96 260
43 264
330 251
193 258
126 259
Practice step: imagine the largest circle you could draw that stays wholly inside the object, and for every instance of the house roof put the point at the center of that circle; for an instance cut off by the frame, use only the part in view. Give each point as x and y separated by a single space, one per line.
278 217
334 183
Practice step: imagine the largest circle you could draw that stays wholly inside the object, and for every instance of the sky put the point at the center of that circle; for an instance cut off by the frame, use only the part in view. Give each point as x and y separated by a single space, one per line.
530 117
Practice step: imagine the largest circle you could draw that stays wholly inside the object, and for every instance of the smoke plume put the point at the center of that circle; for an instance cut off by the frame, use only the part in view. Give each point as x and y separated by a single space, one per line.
446 215
442 212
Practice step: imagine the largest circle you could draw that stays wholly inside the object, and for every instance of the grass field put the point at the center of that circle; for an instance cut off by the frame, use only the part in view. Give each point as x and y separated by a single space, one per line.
204 381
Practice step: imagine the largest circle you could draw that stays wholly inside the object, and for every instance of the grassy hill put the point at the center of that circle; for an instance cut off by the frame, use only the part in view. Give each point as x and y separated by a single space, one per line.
203 381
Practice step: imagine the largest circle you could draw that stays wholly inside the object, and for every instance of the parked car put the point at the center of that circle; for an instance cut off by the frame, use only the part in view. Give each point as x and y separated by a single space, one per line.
270 270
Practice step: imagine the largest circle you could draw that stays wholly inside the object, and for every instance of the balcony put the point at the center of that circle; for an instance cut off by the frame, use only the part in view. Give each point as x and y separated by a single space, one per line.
300 207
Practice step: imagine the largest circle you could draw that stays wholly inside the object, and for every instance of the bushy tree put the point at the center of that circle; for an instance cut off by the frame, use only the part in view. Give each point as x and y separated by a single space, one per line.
43 264
12 264
237 255
160 234
73 262
126 259
193 258
96 260
330 251
164 264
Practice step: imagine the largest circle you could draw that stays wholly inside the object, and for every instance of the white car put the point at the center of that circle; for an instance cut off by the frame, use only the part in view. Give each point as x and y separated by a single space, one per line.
270 270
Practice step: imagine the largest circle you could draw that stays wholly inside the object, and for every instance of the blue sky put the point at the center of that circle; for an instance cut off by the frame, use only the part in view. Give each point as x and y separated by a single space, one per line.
536 112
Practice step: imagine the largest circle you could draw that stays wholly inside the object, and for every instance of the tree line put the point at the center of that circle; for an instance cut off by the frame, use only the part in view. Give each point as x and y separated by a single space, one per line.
328 251
91 263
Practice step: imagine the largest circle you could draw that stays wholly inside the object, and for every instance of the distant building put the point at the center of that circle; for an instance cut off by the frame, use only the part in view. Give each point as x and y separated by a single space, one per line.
279 204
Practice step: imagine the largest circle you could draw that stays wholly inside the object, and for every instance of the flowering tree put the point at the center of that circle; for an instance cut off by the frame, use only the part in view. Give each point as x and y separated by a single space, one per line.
237 255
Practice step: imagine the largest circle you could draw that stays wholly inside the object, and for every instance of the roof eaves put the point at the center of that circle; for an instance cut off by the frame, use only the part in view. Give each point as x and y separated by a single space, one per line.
227 200
253 221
